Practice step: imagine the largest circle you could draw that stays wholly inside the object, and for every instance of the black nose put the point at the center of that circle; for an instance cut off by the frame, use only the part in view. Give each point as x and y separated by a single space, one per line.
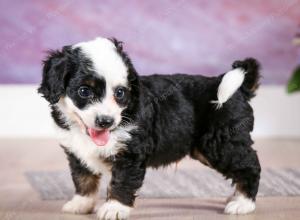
104 121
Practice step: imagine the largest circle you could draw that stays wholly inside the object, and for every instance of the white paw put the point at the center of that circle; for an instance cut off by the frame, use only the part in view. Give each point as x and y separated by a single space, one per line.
113 210
239 205
80 205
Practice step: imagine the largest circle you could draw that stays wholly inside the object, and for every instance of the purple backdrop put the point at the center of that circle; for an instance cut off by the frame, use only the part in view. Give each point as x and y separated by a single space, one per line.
161 36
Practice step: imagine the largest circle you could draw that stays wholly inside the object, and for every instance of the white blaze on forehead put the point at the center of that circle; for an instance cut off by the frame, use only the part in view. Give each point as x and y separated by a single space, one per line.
106 61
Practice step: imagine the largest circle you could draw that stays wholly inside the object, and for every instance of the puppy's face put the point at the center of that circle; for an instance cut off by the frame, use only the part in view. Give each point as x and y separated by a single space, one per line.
93 84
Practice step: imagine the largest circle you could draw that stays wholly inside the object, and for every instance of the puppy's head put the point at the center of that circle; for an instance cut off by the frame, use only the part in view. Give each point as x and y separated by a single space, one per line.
93 84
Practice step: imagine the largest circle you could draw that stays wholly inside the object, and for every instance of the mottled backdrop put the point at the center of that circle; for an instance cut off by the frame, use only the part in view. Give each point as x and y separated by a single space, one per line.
161 36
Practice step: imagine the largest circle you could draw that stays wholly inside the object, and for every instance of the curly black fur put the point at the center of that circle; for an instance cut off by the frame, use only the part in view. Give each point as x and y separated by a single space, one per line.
59 118
175 118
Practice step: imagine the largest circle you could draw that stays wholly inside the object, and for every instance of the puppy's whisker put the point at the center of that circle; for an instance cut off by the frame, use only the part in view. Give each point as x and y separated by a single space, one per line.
129 120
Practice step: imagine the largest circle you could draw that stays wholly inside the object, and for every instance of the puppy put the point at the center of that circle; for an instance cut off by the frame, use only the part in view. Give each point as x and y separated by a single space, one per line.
113 122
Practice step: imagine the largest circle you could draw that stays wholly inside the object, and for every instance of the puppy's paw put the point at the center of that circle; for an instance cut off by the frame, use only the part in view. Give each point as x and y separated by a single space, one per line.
239 205
80 205
113 210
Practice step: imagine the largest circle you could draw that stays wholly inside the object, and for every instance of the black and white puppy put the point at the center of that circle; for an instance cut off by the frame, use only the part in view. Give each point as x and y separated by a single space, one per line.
114 122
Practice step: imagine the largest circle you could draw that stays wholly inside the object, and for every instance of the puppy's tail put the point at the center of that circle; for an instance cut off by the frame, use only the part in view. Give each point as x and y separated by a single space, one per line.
244 75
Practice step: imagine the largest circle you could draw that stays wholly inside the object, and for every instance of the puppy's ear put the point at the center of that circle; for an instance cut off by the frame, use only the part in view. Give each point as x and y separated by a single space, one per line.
54 75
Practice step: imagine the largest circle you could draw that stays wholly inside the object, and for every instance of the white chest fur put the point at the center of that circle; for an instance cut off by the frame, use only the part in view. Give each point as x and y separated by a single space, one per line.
88 152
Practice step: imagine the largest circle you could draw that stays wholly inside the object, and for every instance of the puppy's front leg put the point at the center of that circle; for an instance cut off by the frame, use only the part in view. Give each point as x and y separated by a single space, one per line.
86 186
127 177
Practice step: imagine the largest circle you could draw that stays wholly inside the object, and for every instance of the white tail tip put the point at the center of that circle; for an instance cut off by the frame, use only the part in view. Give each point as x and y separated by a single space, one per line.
230 83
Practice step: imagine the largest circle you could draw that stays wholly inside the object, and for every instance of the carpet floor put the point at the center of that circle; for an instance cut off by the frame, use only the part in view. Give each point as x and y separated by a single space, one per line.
168 183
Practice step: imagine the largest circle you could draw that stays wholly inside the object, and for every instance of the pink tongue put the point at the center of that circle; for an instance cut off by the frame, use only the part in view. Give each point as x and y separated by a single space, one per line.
99 137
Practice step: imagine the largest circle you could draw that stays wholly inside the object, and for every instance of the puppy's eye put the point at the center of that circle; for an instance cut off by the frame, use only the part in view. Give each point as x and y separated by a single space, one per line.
85 92
120 93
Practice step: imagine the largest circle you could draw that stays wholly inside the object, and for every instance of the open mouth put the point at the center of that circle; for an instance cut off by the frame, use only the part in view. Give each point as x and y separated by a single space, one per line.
99 137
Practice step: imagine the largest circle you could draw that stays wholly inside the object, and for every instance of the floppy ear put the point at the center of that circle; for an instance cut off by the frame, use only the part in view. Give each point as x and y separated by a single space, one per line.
54 76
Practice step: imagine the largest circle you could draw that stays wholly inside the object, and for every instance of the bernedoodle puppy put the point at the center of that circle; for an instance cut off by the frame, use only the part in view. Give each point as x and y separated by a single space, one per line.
112 121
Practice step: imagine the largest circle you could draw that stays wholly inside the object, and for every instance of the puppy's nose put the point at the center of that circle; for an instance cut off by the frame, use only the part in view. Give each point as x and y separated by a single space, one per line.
104 121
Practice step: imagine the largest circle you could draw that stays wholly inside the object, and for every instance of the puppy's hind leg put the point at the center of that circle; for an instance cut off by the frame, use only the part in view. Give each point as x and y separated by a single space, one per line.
235 159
